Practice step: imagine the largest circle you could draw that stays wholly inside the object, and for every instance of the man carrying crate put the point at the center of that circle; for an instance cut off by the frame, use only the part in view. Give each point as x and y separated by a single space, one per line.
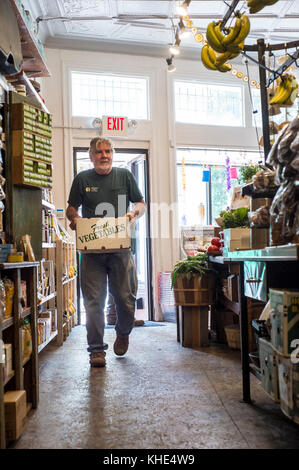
106 186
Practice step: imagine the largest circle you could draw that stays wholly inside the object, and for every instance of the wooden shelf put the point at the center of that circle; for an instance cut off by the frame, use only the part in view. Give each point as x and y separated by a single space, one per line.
7 323
48 205
24 264
48 245
34 63
43 345
46 299
11 375
249 190
26 312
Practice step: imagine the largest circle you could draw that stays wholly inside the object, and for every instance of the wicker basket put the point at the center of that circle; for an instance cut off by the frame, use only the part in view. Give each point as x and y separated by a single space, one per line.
232 333
195 291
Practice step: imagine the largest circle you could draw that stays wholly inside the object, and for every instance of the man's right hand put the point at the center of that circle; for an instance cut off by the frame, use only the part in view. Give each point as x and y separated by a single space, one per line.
74 222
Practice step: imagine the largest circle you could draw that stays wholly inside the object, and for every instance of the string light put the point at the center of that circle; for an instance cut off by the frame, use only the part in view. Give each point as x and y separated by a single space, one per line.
171 66
183 32
183 8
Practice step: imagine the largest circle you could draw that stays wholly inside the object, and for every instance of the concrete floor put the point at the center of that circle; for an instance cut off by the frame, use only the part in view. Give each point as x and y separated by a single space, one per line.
158 396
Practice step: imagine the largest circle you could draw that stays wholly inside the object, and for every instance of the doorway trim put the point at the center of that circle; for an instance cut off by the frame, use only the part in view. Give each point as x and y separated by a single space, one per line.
149 245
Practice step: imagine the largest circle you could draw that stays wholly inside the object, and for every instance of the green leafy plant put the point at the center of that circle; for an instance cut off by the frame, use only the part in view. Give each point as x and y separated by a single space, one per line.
236 218
247 172
190 266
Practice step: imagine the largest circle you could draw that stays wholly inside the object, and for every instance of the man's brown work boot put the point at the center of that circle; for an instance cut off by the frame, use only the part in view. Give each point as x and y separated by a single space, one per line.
97 359
121 345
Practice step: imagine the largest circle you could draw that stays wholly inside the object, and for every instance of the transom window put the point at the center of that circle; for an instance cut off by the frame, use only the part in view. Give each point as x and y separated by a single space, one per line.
97 95
201 103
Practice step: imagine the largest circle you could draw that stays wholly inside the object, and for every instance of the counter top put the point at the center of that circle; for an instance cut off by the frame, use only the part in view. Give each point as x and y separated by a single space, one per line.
274 253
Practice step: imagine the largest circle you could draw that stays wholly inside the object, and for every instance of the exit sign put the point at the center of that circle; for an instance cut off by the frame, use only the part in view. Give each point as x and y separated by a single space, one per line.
115 125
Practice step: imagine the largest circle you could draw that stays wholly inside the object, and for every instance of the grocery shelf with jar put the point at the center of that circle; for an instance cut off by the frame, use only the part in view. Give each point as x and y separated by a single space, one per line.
18 328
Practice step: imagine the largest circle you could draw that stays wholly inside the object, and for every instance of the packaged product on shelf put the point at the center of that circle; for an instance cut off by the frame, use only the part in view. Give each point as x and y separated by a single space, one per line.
27 345
284 210
8 359
9 290
264 179
260 217
24 294
2 298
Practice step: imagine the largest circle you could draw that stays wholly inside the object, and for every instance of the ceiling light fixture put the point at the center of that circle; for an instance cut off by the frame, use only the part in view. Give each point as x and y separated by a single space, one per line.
182 9
171 66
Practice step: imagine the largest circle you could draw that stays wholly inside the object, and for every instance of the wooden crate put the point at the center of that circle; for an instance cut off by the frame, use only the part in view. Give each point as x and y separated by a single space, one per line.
196 291
193 326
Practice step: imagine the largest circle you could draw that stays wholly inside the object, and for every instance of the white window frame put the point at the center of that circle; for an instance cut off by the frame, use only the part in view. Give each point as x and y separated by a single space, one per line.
210 83
111 74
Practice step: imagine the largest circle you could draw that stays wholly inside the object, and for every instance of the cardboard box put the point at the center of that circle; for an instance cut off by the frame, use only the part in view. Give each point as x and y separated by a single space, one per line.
236 239
230 288
288 377
269 369
259 238
15 413
102 235
284 317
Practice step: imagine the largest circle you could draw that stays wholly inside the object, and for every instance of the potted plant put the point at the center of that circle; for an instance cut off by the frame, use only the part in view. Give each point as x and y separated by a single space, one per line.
193 281
236 231
247 172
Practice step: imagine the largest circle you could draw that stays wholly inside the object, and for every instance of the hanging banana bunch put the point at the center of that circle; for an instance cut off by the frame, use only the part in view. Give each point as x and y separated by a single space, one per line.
286 92
258 5
228 45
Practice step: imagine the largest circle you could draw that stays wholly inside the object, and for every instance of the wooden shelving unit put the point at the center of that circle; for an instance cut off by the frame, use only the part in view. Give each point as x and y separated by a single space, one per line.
25 373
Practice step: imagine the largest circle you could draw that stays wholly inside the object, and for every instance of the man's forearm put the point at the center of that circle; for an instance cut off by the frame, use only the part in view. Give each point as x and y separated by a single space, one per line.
72 213
139 209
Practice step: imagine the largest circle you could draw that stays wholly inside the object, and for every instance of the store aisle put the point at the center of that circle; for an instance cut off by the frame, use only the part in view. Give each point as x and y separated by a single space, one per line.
159 395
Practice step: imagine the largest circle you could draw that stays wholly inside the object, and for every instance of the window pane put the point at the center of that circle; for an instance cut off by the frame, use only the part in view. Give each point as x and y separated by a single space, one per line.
192 191
95 95
286 114
200 103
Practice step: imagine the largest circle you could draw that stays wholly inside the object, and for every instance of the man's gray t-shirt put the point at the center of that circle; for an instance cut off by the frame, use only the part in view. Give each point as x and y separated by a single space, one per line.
99 193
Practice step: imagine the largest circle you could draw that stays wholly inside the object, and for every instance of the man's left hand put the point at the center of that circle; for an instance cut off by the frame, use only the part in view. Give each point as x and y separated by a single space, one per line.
131 217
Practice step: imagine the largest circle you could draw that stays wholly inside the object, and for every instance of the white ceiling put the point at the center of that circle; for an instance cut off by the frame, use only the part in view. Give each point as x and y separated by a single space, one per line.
148 25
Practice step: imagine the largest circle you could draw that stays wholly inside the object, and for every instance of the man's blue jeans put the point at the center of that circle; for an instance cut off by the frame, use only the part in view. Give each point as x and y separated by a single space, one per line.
120 270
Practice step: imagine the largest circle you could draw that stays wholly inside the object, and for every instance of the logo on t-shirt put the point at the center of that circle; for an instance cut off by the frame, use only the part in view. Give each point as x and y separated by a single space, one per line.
87 189
92 189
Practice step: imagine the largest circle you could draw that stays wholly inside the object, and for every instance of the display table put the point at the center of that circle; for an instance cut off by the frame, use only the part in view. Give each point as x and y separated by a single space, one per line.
258 271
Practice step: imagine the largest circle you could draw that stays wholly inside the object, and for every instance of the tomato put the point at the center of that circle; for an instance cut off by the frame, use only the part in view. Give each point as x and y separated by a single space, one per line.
216 241
213 249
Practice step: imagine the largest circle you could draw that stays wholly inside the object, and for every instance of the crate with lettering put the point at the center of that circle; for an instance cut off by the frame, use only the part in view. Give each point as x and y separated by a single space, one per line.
103 235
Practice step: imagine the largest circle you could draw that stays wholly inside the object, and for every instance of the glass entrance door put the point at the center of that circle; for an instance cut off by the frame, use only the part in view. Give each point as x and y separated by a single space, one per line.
136 162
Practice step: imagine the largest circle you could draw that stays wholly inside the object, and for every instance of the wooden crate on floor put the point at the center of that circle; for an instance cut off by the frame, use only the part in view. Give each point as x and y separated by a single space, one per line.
193 326
254 309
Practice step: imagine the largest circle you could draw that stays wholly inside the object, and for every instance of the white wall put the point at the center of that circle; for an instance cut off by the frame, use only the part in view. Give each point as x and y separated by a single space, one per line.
160 135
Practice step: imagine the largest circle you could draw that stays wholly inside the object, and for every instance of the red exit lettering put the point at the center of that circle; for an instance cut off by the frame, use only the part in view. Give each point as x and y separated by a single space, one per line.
115 124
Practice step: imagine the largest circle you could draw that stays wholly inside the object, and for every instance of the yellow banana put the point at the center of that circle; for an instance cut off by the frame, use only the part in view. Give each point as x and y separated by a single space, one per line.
223 68
244 31
218 33
222 58
206 60
212 38
234 31
284 91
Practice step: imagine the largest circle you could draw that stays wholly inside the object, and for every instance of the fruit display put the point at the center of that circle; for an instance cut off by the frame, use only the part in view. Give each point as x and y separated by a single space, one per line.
226 45
257 5
284 211
286 92
215 247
